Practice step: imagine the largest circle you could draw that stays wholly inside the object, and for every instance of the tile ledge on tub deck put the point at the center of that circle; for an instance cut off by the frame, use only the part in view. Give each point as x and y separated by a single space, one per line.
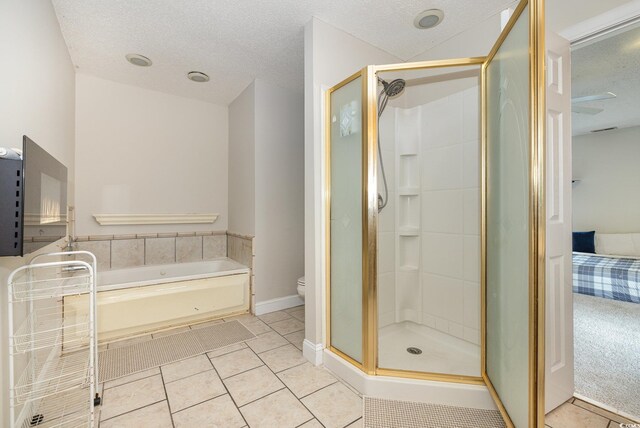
241 236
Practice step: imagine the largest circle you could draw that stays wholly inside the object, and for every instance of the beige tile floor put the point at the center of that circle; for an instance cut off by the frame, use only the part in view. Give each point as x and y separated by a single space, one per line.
578 413
263 382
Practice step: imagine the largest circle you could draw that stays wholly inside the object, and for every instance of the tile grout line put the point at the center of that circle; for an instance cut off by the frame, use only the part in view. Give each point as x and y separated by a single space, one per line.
318 390
242 372
229 393
164 386
574 399
305 422
209 399
191 375
104 388
292 367
596 413
132 410
260 398
291 392
226 353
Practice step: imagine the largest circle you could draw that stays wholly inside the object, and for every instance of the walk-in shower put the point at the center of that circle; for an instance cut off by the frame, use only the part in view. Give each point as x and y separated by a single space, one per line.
428 264
426 321
434 226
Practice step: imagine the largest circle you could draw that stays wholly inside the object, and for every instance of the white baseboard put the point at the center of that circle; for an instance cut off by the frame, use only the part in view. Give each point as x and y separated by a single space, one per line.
312 352
393 388
278 304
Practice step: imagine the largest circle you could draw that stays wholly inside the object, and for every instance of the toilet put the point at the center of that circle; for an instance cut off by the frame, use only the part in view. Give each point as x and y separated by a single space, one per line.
301 287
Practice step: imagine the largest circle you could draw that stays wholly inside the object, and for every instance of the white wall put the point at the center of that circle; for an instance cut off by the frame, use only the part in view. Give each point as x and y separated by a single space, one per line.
266 177
279 203
242 163
331 55
605 199
140 151
37 98
476 41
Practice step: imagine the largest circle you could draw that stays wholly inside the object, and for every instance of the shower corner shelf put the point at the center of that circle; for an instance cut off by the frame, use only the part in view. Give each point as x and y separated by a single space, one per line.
409 191
409 231
52 360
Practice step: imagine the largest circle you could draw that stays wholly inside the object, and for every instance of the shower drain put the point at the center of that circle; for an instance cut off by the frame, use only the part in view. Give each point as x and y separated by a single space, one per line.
414 351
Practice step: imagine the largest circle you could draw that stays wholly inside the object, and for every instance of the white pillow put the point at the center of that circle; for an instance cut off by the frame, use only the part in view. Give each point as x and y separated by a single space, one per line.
621 244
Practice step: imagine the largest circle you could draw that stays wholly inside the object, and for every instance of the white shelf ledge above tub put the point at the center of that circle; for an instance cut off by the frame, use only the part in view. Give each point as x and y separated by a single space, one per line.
132 219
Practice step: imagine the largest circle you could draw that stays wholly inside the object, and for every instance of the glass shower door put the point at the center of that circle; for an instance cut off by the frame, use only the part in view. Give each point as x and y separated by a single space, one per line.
512 178
345 164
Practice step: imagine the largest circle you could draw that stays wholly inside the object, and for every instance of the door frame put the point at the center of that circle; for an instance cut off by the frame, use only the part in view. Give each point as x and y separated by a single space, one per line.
537 210
583 33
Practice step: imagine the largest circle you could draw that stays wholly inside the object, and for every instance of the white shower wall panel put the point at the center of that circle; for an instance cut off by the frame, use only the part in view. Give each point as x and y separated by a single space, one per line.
429 233
434 214
386 221
450 268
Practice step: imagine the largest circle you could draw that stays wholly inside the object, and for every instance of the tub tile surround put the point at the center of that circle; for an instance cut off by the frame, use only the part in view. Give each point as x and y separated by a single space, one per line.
159 251
241 248
123 251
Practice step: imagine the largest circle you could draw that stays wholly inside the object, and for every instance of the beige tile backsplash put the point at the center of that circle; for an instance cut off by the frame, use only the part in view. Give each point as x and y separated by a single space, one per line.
122 251
240 248
214 246
100 249
188 249
159 251
127 253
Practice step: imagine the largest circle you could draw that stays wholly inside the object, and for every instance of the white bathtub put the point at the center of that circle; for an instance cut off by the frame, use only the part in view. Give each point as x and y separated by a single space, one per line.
149 298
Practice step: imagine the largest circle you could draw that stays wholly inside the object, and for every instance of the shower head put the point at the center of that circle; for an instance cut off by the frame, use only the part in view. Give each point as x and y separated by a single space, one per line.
393 88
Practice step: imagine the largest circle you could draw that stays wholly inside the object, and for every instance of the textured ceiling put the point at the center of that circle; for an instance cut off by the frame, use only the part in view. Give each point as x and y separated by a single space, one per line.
608 65
236 41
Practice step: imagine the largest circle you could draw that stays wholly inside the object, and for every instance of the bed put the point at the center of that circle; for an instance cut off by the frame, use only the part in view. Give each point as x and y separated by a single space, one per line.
611 277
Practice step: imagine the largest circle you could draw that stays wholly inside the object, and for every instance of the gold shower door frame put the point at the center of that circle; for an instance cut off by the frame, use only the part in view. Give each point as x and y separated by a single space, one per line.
537 114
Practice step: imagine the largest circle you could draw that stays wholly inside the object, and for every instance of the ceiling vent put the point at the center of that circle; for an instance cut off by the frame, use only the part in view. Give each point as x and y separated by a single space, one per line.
197 76
605 129
428 19
139 60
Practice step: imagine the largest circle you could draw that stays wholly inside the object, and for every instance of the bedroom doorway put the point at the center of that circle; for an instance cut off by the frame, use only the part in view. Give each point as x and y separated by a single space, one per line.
592 295
606 222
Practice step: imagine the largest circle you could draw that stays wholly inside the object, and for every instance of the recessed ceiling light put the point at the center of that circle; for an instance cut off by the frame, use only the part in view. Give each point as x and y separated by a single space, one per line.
428 19
139 60
197 76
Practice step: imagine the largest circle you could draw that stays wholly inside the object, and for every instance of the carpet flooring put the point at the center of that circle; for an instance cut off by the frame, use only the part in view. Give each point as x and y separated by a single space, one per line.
607 352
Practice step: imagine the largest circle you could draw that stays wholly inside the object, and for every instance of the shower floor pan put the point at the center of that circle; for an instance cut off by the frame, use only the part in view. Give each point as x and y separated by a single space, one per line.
441 353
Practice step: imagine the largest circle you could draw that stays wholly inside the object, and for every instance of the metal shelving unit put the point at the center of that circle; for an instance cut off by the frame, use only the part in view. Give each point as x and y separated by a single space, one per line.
53 357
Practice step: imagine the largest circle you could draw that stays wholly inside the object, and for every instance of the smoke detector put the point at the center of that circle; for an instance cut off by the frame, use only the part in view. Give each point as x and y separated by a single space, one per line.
428 19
